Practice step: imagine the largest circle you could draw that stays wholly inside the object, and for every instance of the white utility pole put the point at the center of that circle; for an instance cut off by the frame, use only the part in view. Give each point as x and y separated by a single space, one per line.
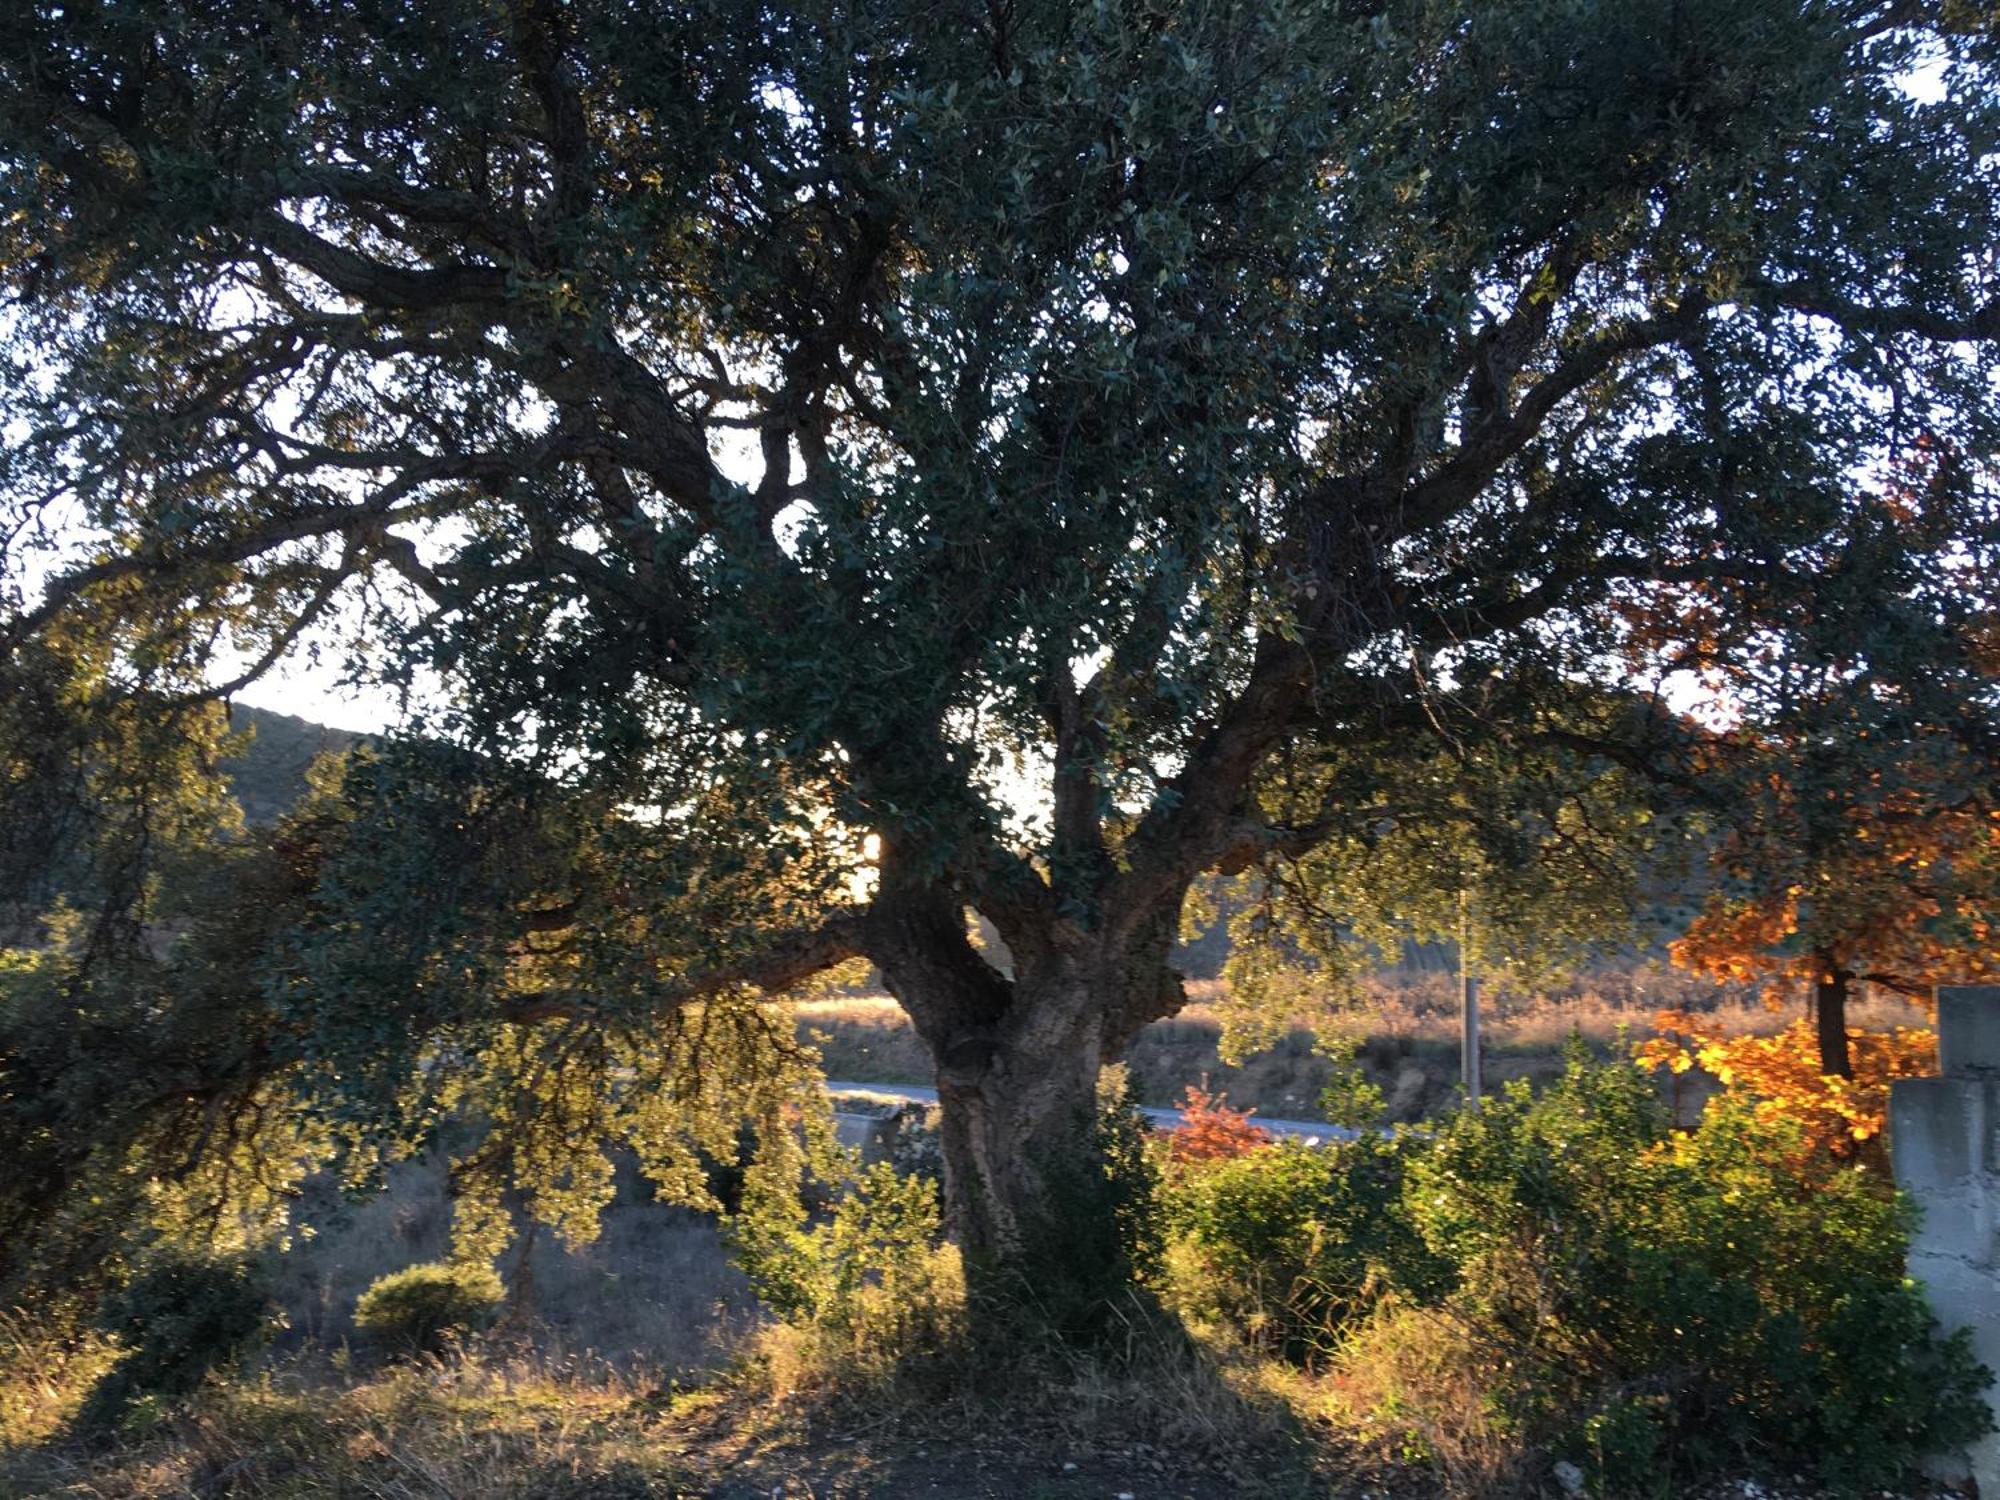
1468 1003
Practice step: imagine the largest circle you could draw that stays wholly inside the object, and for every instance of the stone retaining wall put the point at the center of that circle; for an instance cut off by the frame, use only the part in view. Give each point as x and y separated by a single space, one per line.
1944 1143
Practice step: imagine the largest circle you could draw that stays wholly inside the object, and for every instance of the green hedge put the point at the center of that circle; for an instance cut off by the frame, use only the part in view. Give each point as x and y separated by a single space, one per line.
1640 1302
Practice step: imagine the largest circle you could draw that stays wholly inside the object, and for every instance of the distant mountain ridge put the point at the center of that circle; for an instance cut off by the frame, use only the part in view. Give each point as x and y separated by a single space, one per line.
269 777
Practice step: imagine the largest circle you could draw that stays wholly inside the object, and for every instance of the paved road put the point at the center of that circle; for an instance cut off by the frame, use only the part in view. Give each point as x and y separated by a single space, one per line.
1312 1131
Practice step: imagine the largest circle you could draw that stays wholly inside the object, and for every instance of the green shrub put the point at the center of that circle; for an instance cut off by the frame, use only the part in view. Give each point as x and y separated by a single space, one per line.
425 1308
1649 1303
1584 1283
860 1292
1286 1243
183 1316
1350 1097
882 1228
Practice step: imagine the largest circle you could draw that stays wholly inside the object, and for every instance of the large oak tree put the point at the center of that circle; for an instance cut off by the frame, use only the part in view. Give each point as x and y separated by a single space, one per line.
892 459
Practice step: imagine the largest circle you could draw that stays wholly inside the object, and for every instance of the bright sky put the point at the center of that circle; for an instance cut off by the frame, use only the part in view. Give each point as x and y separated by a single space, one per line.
315 692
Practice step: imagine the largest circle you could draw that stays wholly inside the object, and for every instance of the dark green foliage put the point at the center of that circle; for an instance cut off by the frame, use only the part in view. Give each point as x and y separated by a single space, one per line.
1645 1304
311 995
183 1317
429 1308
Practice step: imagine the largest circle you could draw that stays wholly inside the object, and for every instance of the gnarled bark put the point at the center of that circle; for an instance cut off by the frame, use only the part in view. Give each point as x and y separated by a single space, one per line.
1018 1124
1029 1194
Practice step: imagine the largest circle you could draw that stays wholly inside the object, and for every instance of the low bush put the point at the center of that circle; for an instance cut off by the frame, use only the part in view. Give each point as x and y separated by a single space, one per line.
428 1308
181 1317
1561 1274
1210 1130
858 1293
1285 1243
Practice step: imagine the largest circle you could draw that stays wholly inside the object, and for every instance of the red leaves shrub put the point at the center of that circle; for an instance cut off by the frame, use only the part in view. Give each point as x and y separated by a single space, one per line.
1210 1130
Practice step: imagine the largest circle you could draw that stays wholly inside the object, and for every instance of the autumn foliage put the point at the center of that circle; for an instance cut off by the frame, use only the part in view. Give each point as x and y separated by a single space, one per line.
1781 1072
1210 1130
1863 844
1853 861
1904 897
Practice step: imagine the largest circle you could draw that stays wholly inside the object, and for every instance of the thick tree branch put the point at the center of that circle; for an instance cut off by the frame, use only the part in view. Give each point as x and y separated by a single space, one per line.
784 960
1979 325
1503 434
1194 818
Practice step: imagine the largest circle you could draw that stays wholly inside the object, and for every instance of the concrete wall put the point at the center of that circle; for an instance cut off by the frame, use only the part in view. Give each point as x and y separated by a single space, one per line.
1944 1143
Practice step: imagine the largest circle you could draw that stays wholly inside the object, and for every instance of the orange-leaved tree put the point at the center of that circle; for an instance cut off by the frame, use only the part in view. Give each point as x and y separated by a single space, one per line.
1861 842
1853 866
1841 1114
1859 848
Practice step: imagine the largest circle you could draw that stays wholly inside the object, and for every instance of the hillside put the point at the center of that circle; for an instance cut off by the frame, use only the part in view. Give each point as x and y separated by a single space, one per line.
270 775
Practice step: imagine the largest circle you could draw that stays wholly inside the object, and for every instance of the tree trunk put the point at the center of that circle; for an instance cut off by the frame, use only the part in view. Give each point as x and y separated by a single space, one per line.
1038 1194
1830 989
1017 1116
1030 1196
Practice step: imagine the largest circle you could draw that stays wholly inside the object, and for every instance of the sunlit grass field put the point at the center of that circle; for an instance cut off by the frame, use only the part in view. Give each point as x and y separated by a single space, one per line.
1405 1030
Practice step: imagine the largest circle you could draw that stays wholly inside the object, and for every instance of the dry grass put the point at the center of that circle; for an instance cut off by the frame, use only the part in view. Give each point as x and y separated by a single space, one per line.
560 1406
576 1403
1405 1391
461 1430
468 1431
1406 1025
44 1377
837 1412
1161 1395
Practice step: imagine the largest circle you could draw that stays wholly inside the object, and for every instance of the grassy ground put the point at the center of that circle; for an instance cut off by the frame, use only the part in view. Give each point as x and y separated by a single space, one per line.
482 1435
636 1366
1407 1029
493 1428
639 1370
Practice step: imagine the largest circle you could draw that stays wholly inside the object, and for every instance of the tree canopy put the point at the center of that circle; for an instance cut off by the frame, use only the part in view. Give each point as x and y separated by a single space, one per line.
825 466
